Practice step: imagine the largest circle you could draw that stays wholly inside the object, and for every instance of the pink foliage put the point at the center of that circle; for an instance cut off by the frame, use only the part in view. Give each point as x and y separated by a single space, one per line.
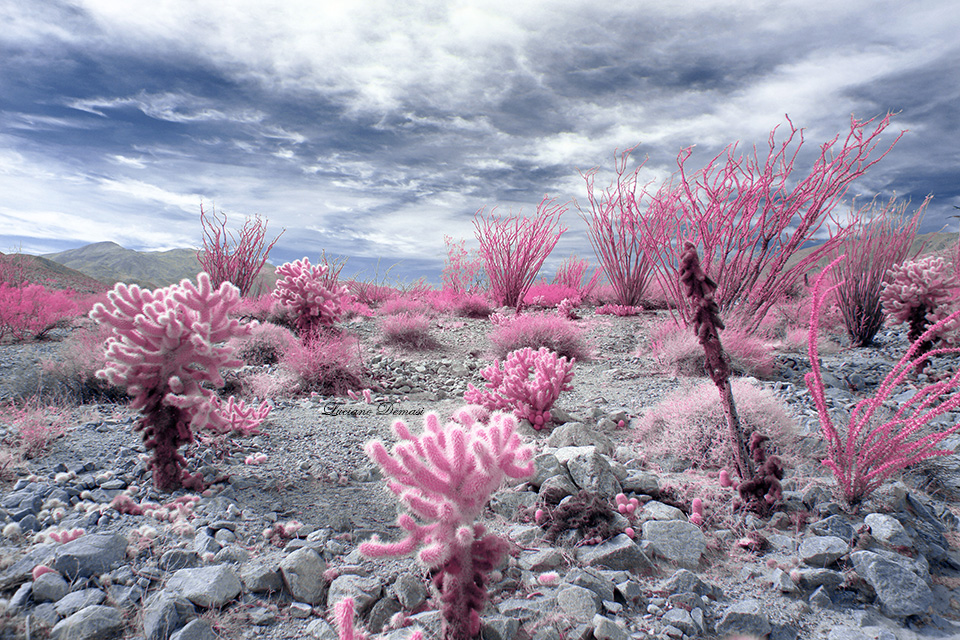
463 272
513 249
621 310
408 330
536 330
445 477
528 384
917 288
305 291
571 273
239 418
863 457
550 295
164 351
748 214
235 259
328 364
31 310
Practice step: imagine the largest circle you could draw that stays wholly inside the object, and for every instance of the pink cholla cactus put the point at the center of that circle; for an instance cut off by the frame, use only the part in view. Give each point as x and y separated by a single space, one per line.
529 383
303 289
445 477
917 288
164 348
238 417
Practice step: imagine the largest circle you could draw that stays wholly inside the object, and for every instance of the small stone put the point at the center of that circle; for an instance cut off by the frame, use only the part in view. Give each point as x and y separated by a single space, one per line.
164 613
206 587
96 622
820 598
176 559
678 541
681 619
410 591
261 577
900 590
321 630
364 591
50 587
197 629
606 629
578 603
78 600
746 617
822 551
299 610
499 628
620 552
302 573
888 530
90 554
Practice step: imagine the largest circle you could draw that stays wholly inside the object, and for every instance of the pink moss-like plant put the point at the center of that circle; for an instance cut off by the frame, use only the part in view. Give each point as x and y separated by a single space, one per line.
621 310
235 259
304 290
445 477
408 330
513 249
166 345
32 310
528 384
863 457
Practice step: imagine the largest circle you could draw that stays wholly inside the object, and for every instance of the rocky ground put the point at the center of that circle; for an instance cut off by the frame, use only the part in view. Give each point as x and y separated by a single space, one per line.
217 564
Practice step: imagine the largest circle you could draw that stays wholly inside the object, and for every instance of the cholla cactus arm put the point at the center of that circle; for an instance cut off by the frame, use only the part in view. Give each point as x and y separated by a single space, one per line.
304 289
446 476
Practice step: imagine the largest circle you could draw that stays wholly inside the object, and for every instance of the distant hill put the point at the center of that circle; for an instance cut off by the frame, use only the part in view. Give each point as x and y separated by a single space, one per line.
111 263
39 270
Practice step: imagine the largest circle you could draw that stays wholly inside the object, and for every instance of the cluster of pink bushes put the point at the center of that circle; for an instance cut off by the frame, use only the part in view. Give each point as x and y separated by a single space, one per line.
32 310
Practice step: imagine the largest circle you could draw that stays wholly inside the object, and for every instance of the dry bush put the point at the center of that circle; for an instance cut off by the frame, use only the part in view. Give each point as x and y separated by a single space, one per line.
690 424
408 330
328 364
266 344
72 374
536 330
679 352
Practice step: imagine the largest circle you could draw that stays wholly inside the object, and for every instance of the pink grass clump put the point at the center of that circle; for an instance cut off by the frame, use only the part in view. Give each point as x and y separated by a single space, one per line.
868 452
528 384
445 477
329 364
690 423
265 344
35 425
408 330
536 330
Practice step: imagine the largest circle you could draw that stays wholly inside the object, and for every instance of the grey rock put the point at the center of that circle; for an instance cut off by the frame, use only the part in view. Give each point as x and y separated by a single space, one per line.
900 590
577 434
888 529
578 603
125 596
834 526
507 503
410 591
21 598
606 629
642 482
50 587
499 628
822 551
681 619
198 629
381 612
206 587
524 534
813 578
678 541
524 610
656 510
559 487
746 617
302 573
364 591
78 600
820 598
593 580
164 613
620 552
321 630
591 472
92 623
20 571
261 577
203 542
540 559
545 466
783 582
231 554
46 613
847 633
684 581
90 554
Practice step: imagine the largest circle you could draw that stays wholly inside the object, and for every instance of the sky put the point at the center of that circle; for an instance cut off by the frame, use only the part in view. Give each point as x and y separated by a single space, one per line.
371 129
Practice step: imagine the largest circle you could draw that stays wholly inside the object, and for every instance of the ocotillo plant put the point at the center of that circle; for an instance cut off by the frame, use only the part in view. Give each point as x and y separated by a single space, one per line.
707 325
229 258
166 344
445 476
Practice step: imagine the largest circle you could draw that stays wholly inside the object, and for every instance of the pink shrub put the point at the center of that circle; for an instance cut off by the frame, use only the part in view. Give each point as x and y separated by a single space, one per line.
305 291
679 352
445 477
329 365
473 305
513 249
34 425
528 384
621 310
408 330
164 351
571 273
549 295
265 344
536 330
690 423
32 310
236 259
866 454
73 371
256 308
404 305
463 272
